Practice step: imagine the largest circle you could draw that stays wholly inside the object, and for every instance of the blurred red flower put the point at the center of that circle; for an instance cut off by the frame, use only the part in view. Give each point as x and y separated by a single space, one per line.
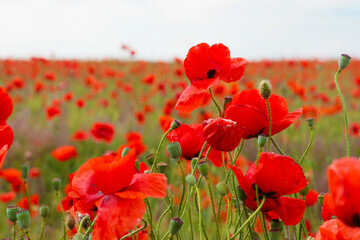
335 229
64 153
103 131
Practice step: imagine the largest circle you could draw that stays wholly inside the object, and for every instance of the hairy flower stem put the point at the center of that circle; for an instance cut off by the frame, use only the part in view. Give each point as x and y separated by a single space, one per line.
158 150
216 104
14 231
149 212
228 215
27 233
213 208
183 186
251 217
199 157
308 146
161 218
90 228
277 147
27 192
269 112
345 112
199 207
62 212
136 231
42 229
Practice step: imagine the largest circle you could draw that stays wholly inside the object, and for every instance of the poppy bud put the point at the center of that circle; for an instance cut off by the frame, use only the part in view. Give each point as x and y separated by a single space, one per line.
11 212
162 167
305 190
175 225
310 123
56 182
125 151
193 162
150 158
275 234
175 124
265 89
203 168
321 198
276 224
190 179
227 100
241 194
222 188
44 211
344 61
174 150
69 220
25 171
86 223
23 218
261 140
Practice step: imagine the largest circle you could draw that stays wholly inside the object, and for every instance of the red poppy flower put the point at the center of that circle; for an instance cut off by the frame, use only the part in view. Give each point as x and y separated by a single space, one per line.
311 198
6 136
64 153
191 141
111 184
79 135
335 229
6 106
103 131
222 134
13 176
344 185
134 141
275 175
3 152
328 207
205 66
52 112
34 172
249 110
7 197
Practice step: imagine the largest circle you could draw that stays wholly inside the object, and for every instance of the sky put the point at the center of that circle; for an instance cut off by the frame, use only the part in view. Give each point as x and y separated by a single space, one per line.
164 29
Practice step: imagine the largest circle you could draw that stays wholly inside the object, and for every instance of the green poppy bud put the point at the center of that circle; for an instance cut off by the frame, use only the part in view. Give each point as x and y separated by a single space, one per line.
25 171
162 167
276 224
265 89
175 225
11 212
305 190
174 150
222 188
261 140
23 218
344 61
190 179
44 211
321 198
56 182
241 194
310 123
203 167
193 162
125 151
69 220
175 124
150 158
227 100
275 234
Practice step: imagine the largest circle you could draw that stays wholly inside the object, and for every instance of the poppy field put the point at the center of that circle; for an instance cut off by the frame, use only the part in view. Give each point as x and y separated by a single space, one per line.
212 146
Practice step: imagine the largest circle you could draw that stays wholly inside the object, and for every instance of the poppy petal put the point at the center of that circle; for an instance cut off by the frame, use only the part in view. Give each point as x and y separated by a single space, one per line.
3 152
236 71
6 136
245 186
6 105
290 210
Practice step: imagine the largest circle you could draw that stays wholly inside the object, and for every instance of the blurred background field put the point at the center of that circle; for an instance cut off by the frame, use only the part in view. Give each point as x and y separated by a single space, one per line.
55 98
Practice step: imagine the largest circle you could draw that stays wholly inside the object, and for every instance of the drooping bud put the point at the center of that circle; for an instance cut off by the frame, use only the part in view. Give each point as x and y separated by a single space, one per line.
276 224
175 124
86 223
261 140
203 167
23 218
321 198
265 89
222 188
344 61
305 190
125 151
44 211
162 167
150 158
241 194
310 123
174 150
227 100
56 183
193 162
276 229
190 179
175 225
25 171
69 220
11 212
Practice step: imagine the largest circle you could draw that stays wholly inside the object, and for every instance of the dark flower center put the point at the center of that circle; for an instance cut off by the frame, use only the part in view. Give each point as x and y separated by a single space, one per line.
211 73
356 220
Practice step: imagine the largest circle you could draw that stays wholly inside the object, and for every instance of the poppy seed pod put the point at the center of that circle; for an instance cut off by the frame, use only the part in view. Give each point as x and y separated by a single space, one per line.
125 151
265 89
305 190
162 167
175 225
190 179
175 124
222 188
150 158
310 123
44 211
275 234
174 150
203 168
11 212
344 61
261 140
56 182
227 100
23 218
69 220
25 171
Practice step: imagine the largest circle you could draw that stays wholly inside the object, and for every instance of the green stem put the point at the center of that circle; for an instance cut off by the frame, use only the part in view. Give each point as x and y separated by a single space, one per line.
239 150
199 157
91 226
308 146
277 147
249 219
269 112
227 218
14 231
161 218
148 209
82 222
199 207
27 233
27 193
42 229
216 104
345 112
62 212
183 186
213 208
190 221
136 231
158 150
